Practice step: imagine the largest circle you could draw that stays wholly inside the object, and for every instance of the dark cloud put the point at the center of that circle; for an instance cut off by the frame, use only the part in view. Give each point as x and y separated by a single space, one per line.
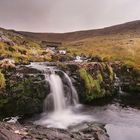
66 15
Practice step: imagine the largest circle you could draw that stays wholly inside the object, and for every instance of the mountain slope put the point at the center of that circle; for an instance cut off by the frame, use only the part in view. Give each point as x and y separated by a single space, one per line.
120 42
132 28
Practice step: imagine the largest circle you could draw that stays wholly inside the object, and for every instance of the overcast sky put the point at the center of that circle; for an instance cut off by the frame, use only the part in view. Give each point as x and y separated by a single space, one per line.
66 15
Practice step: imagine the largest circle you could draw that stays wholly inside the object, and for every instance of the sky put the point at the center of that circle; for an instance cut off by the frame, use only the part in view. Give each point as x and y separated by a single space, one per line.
66 15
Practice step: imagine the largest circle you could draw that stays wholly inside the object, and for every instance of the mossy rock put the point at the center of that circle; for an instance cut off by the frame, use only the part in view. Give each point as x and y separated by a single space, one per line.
24 94
92 86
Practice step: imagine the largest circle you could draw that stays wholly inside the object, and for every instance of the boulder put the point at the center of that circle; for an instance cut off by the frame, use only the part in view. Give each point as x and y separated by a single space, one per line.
24 93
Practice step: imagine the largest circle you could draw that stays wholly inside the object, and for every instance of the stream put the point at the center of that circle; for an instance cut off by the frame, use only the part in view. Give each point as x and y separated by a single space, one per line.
121 123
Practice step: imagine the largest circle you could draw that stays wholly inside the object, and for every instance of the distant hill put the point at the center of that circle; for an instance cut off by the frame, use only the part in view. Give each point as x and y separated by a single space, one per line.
132 28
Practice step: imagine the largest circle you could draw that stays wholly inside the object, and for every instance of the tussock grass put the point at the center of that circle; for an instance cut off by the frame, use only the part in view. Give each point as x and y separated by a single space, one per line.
112 48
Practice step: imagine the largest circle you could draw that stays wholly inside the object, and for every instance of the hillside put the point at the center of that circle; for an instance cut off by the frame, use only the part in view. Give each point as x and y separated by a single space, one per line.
20 48
131 28
120 42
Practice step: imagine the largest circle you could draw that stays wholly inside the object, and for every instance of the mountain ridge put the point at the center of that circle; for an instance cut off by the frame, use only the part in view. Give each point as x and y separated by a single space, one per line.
133 26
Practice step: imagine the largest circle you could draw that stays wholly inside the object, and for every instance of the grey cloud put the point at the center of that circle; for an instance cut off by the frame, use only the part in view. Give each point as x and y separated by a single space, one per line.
66 15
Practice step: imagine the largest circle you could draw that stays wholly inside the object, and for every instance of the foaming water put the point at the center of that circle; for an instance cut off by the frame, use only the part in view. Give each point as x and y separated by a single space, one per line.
75 99
64 114
57 93
63 119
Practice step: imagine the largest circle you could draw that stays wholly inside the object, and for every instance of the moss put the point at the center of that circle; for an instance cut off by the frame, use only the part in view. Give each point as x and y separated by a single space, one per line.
99 77
93 86
2 80
89 82
3 102
24 96
110 71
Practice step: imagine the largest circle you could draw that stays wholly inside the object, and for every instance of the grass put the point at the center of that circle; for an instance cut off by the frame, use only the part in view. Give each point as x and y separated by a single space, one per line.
117 43
23 49
113 48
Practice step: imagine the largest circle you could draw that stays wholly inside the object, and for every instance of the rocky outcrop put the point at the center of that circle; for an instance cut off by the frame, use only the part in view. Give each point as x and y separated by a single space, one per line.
5 39
24 92
93 80
32 132
26 88
129 83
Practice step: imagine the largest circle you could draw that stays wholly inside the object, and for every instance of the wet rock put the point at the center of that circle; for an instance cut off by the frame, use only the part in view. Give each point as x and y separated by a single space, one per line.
92 131
24 92
129 82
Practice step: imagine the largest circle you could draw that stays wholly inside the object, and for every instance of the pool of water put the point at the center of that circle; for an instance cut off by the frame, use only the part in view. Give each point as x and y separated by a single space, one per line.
121 123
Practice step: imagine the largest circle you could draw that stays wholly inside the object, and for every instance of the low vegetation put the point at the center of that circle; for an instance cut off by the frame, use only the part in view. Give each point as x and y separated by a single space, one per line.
116 43
109 48
20 48
93 88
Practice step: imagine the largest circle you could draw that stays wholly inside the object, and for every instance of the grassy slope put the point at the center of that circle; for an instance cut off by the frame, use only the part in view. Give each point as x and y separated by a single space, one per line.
132 28
20 48
120 42
113 47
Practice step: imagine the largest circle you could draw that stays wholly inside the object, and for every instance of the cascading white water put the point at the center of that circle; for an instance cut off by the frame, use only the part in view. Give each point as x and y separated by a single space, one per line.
118 84
57 92
74 94
64 106
57 97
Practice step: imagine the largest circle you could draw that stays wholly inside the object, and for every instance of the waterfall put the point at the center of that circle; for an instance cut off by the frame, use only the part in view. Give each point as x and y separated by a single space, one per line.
74 95
61 107
57 93
118 84
57 100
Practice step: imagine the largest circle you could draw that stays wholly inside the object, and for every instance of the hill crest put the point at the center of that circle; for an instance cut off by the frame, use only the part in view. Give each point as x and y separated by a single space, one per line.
121 29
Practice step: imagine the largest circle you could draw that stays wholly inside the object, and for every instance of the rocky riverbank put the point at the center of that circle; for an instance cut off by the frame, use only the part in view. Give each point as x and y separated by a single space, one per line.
87 131
24 92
